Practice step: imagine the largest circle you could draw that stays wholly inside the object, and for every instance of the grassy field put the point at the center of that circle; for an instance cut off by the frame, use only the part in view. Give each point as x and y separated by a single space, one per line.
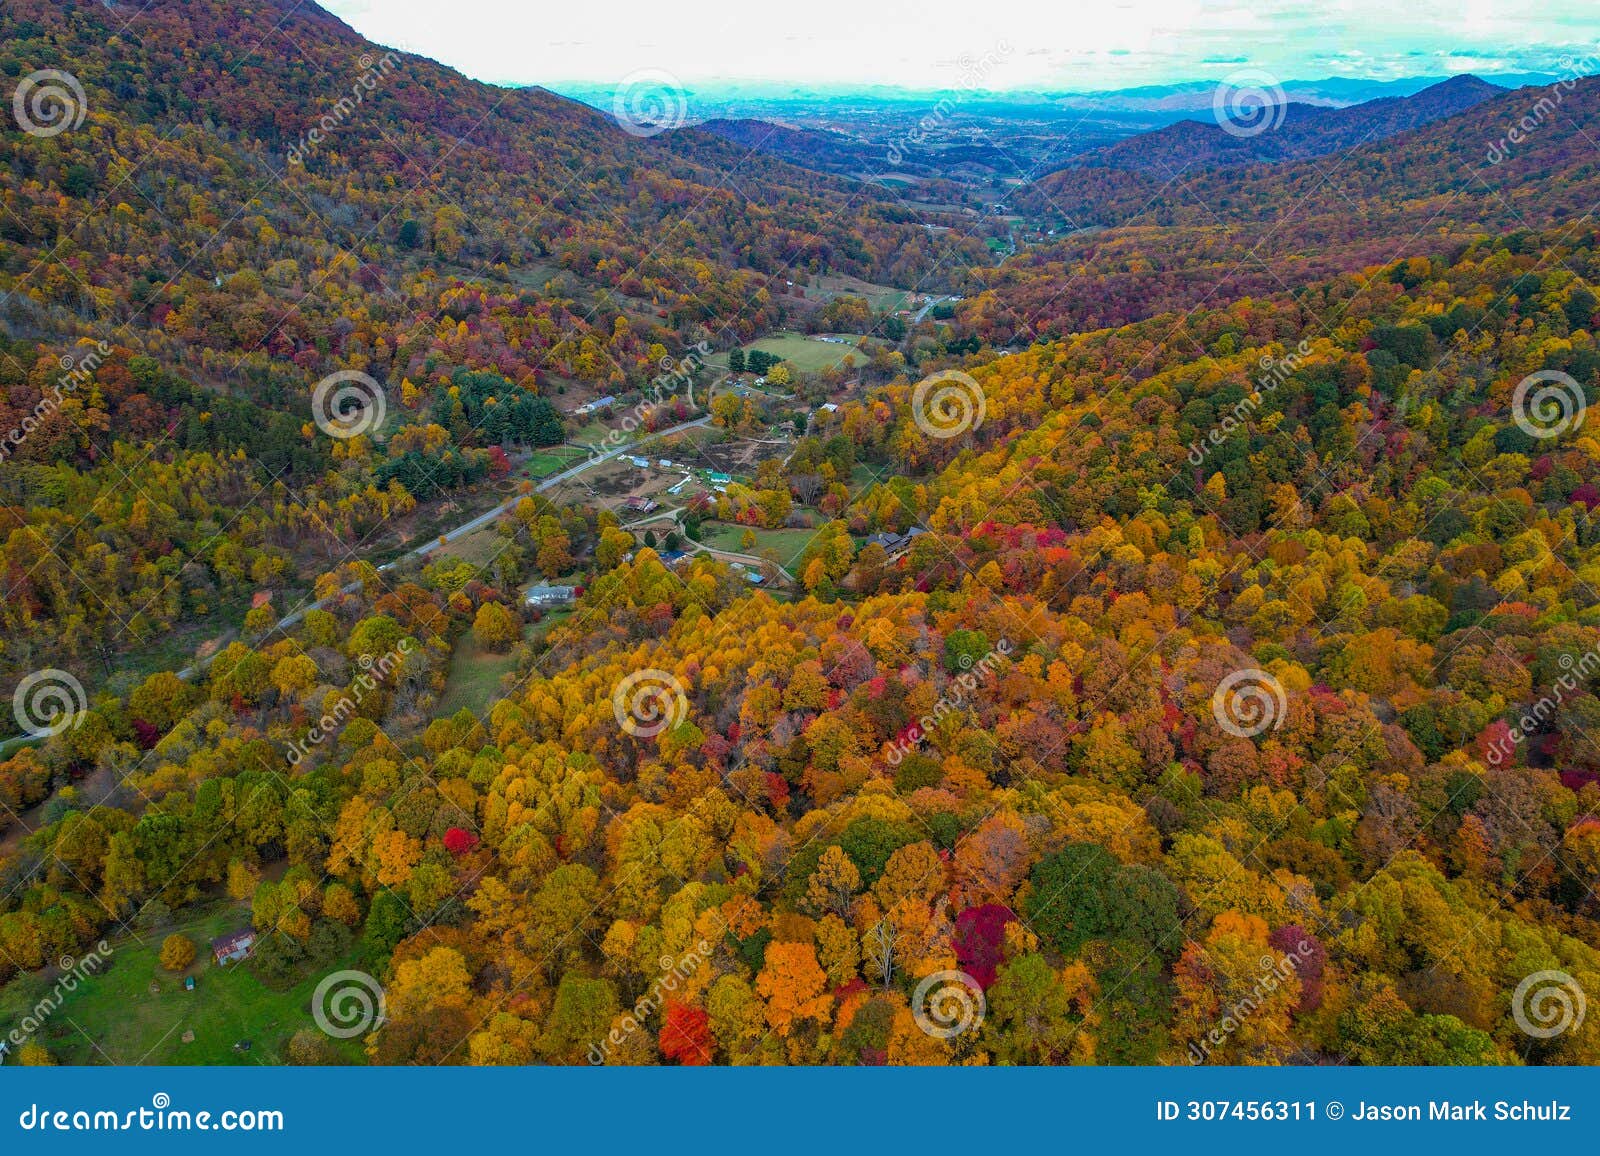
113 1016
592 434
863 475
535 276
174 649
553 459
475 674
806 354
881 297
15 743
786 545
479 547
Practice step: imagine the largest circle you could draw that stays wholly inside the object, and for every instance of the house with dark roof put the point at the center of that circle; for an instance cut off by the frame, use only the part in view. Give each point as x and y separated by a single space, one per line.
894 543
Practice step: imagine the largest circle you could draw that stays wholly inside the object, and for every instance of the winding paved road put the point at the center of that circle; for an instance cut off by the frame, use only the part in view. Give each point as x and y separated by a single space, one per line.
486 518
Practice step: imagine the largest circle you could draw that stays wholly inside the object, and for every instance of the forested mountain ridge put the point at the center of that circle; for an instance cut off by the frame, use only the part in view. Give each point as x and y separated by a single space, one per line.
1279 132
1153 243
249 198
207 155
1002 752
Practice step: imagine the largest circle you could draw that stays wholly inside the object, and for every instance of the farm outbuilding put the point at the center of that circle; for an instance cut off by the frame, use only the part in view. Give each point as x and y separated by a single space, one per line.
233 947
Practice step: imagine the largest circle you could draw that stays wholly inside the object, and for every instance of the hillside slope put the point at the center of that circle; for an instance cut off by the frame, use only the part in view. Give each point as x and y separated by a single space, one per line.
1221 234
1292 131
269 139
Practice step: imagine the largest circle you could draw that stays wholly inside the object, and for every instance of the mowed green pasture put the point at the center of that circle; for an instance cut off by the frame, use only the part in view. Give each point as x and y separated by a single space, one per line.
133 1011
808 354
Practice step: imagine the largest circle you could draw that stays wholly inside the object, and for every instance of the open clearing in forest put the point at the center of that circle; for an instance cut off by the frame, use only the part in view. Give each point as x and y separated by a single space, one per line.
475 676
131 1010
806 354
552 460
786 544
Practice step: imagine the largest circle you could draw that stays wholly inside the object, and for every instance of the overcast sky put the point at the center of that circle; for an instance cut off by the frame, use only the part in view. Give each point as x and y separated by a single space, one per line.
1043 44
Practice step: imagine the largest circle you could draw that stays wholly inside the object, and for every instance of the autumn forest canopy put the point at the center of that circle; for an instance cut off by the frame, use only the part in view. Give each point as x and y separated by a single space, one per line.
630 597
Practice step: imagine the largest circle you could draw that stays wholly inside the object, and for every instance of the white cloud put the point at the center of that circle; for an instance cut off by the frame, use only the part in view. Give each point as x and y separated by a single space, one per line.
919 43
